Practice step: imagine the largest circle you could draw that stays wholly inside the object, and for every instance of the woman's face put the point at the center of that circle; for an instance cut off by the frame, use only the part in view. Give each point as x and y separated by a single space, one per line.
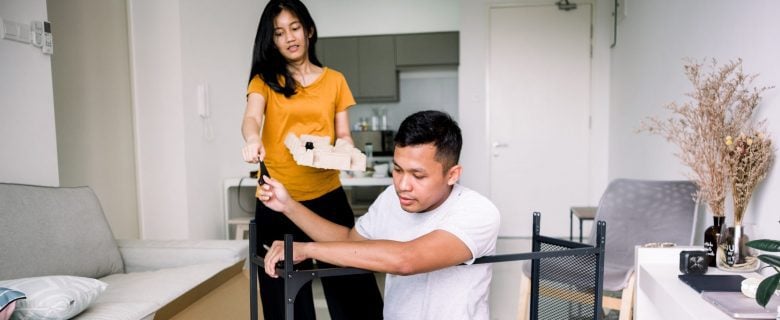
290 38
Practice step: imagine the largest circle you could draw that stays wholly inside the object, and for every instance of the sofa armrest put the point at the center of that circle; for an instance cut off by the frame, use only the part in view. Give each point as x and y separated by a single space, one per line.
145 255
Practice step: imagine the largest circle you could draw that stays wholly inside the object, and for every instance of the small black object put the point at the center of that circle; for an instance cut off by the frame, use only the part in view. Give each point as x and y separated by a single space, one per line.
693 262
263 172
713 282
309 145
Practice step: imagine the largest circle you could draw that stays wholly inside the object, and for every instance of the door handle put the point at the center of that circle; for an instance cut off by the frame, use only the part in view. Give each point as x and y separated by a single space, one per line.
500 145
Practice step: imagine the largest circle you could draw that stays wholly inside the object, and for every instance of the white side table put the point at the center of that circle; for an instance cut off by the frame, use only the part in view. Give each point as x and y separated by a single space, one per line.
661 295
239 218
241 225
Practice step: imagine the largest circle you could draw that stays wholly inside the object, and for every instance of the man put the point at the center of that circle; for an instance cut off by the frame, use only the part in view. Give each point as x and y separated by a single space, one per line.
420 231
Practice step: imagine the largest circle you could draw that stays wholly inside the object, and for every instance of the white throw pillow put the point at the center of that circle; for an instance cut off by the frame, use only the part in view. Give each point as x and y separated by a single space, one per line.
54 297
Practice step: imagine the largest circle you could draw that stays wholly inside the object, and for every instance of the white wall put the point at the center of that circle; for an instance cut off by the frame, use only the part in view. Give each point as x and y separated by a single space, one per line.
155 45
647 73
181 44
473 100
28 144
93 107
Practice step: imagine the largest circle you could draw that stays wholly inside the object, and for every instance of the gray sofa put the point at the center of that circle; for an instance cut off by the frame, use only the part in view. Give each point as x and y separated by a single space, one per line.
48 231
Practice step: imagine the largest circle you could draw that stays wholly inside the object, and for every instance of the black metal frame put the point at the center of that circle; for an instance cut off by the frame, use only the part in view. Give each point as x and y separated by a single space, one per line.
295 279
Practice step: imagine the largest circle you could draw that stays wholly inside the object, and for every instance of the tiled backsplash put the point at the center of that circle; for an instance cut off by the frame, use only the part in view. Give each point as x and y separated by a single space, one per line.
419 89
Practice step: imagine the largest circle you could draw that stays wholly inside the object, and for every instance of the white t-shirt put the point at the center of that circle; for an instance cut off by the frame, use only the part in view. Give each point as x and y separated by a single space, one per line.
459 292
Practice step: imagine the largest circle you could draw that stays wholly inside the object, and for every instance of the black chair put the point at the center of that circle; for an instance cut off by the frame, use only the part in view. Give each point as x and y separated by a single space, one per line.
573 293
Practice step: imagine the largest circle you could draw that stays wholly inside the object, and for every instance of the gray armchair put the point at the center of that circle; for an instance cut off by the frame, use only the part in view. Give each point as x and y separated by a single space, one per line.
637 212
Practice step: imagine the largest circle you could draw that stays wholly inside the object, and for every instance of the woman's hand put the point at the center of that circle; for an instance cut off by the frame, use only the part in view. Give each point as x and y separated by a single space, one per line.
253 151
276 254
274 195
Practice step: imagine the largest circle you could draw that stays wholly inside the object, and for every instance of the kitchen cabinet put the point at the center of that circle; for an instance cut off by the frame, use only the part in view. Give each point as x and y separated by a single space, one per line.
427 49
368 64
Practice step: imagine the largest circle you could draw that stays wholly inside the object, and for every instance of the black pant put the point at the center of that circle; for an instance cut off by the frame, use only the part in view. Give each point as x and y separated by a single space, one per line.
348 297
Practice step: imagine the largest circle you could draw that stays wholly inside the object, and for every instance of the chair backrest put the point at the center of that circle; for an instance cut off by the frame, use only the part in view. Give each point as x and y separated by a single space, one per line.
640 212
567 287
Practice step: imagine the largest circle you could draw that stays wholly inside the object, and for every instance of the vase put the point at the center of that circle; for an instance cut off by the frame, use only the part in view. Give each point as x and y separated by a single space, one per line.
711 237
732 254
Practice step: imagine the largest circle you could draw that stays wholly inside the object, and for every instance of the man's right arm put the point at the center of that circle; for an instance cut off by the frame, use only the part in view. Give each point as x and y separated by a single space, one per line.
317 227
275 196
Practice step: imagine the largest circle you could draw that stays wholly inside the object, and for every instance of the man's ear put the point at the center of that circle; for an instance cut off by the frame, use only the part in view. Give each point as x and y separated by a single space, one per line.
453 174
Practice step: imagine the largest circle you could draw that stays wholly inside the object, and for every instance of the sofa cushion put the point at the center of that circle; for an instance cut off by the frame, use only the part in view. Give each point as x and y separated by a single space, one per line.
54 231
136 295
54 297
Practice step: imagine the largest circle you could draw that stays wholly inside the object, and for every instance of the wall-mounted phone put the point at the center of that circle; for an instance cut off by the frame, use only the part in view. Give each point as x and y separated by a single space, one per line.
204 110
37 33
203 101
40 32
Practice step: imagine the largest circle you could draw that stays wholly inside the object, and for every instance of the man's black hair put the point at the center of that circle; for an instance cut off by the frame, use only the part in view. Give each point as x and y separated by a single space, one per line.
434 127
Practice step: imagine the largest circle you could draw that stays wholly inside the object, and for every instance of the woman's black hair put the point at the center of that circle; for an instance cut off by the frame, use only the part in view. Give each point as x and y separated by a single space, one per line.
267 62
434 127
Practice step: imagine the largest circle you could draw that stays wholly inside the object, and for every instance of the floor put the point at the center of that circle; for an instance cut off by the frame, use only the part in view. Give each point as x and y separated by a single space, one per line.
228 301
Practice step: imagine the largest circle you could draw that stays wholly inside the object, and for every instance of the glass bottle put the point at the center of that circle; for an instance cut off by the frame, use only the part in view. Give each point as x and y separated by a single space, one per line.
711 236
369 149
733 254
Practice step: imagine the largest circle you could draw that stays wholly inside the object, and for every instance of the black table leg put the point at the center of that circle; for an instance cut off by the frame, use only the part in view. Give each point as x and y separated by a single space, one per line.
571 225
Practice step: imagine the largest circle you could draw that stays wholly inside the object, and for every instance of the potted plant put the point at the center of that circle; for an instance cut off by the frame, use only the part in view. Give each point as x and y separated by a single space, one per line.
721 105
767 286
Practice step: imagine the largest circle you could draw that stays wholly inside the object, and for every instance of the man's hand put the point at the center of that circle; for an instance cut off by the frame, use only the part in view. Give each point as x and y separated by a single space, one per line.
276 254
274 195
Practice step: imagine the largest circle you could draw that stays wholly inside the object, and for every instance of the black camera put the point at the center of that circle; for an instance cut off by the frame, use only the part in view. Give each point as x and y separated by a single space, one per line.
693 262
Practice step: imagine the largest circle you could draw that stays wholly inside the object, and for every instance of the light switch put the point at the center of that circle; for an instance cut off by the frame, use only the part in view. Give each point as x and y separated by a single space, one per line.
14 31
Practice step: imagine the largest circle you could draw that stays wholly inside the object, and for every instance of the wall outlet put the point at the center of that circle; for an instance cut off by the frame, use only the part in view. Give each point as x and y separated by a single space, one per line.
14 31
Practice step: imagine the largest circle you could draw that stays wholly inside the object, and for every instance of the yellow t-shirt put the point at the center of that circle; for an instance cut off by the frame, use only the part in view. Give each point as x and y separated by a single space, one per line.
312 110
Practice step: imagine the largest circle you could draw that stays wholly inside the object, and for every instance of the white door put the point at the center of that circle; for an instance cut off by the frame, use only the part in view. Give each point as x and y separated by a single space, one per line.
539 108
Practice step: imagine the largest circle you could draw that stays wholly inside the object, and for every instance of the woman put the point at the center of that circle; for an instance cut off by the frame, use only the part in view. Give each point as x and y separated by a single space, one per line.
292 92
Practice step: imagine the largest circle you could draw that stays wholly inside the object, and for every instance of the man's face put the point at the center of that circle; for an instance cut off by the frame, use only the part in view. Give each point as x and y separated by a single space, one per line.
420 180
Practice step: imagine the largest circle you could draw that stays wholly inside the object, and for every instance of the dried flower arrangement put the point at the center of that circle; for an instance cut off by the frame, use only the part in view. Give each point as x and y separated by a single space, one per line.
722 105
749 157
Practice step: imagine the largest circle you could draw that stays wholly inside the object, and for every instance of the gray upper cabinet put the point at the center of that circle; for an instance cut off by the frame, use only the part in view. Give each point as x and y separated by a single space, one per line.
341 54
425 49
368 63
378 75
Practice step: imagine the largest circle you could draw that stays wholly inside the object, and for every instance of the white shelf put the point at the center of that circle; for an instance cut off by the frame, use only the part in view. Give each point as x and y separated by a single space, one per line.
661 295
347 182
237 216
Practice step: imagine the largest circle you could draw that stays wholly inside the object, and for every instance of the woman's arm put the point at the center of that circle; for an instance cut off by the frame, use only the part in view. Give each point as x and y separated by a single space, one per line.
253 150
342 127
